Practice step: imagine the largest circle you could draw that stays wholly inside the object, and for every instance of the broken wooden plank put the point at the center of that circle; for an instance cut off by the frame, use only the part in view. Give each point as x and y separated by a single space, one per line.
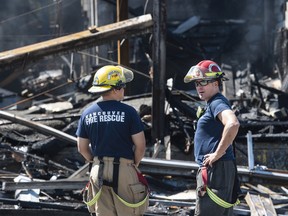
281 209
7 176
93 36
46 185
277 198
80 173
284 189
254 187
268 205
260 205
272 194
255 204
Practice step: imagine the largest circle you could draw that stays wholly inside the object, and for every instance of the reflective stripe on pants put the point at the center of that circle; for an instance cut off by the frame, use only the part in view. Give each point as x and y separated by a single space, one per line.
129 189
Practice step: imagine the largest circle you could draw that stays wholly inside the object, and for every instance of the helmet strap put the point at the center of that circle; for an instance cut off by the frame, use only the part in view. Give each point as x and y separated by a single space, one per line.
220 83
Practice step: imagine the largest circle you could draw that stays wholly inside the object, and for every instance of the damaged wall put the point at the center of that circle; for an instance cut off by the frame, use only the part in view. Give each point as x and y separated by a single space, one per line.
231 32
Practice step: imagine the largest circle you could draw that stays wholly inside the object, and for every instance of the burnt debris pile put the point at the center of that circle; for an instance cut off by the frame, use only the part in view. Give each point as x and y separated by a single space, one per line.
41 168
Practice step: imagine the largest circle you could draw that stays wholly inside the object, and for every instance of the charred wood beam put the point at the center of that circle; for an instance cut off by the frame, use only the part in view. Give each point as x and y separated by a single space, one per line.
176 102
43 160
123 45
41 205
159 70
60 116
258 87
47 146
272 90
80 40
21 156
39 127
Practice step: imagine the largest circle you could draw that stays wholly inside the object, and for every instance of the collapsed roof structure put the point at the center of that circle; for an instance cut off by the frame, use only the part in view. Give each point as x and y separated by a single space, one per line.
252 52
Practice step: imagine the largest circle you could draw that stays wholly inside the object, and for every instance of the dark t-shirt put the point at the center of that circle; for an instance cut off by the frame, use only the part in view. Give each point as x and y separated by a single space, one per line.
209 130
109 126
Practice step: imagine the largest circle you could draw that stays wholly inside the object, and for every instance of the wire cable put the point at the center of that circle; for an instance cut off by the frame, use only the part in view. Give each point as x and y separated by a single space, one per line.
27 13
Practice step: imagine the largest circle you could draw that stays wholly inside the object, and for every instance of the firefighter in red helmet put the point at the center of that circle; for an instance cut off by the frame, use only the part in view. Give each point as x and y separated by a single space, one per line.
216 129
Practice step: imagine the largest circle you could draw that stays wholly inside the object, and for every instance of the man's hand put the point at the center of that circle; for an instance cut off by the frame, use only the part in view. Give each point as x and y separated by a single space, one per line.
209 159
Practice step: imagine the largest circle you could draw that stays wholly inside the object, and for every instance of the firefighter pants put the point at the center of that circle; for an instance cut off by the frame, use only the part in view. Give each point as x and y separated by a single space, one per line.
129 189
221 177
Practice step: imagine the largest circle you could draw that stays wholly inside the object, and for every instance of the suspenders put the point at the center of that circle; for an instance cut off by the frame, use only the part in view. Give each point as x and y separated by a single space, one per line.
114 183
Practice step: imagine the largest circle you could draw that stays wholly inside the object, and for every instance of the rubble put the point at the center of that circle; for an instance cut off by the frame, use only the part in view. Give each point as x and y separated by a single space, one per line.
39 144
172 181
38 141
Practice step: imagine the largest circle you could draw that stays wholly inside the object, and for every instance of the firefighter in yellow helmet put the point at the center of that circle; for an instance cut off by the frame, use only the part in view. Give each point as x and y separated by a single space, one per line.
217 181
109 77
110 135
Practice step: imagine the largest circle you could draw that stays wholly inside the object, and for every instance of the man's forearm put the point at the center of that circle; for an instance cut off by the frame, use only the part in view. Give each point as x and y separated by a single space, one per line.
229 134
87 155
84 148
138 155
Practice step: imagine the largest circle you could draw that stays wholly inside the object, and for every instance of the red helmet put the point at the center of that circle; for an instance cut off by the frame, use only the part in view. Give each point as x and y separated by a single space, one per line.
205 69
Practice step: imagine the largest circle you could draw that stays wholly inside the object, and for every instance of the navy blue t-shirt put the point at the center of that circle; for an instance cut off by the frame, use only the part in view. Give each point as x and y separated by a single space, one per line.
209 130
109 126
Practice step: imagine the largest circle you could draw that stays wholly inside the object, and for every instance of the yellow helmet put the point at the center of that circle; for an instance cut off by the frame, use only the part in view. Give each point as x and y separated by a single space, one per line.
109 77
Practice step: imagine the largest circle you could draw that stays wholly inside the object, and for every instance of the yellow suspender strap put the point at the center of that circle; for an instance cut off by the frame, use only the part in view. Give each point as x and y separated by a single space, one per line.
95 198
132 205
220 201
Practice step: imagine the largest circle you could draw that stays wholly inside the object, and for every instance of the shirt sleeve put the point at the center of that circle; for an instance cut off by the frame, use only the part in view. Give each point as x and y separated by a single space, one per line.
137 125
81 132
218 106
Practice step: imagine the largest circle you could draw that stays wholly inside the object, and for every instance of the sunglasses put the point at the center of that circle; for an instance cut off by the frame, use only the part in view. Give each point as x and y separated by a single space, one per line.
123 85
203 82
